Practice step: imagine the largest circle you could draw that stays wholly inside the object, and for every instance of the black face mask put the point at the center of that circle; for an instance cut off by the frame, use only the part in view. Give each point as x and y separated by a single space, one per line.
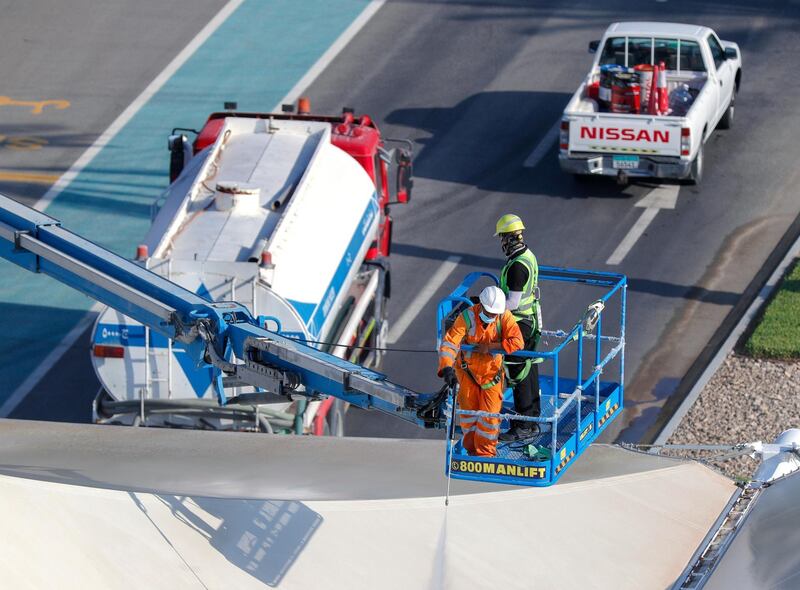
512 243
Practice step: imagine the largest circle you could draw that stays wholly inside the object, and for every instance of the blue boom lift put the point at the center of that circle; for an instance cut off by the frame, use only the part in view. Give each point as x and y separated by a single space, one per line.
575 408
242 352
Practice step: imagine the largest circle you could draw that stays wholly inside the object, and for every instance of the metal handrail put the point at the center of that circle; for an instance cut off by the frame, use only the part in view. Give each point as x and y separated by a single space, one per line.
617 284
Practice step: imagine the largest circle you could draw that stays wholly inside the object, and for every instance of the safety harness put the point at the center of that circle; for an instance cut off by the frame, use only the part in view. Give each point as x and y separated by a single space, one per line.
464 367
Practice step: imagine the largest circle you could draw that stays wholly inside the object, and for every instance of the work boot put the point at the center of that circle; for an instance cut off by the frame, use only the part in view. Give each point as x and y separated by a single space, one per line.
518 432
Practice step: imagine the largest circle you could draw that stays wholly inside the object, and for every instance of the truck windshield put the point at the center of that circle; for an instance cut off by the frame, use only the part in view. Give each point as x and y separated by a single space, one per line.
676 54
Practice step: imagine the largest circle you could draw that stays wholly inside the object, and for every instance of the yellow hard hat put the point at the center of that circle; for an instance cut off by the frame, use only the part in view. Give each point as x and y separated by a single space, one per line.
508 223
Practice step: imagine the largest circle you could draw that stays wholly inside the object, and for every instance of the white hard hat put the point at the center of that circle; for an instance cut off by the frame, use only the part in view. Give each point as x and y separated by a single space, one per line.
493 300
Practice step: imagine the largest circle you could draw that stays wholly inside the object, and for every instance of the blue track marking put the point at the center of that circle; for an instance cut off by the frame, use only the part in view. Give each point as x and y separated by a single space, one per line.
255 58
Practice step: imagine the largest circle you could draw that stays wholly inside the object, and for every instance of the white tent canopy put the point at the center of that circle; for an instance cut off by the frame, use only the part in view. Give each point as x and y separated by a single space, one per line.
112 507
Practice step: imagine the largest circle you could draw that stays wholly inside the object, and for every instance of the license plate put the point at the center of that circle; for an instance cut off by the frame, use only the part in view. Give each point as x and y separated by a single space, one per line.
625 162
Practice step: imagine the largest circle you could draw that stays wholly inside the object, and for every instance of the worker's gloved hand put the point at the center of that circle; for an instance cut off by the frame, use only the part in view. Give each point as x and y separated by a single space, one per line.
449 376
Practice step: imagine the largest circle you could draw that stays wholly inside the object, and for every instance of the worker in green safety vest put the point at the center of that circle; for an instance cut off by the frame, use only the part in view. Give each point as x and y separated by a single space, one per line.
518 280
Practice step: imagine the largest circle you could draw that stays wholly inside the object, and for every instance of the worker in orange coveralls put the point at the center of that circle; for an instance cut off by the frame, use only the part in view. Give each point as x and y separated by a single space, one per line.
480 375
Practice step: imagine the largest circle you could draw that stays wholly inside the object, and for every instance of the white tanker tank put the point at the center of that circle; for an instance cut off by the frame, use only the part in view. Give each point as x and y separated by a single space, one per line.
273 216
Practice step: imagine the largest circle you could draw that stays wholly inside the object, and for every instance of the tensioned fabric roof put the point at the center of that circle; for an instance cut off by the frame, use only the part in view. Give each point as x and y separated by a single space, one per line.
104 507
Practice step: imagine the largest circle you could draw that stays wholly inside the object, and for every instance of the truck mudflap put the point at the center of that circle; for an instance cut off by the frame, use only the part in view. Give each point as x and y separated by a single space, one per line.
577 405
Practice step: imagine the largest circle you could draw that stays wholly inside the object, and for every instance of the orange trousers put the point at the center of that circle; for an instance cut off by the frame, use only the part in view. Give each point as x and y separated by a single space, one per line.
480 432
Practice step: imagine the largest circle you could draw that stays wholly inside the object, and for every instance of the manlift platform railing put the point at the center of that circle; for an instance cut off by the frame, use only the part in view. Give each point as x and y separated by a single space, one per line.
576 407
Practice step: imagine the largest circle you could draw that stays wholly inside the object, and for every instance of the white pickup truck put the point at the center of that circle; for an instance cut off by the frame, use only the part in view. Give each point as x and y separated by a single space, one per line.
702 77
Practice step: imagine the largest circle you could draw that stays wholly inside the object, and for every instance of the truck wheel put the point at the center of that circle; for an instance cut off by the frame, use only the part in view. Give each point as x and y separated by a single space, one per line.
334 424
727 119
696 173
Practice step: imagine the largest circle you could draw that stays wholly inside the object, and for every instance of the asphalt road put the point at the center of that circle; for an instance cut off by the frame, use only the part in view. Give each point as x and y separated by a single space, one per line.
69 69
477 86
87 61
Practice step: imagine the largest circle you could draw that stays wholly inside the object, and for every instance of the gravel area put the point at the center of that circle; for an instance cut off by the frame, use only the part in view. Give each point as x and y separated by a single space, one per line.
746 400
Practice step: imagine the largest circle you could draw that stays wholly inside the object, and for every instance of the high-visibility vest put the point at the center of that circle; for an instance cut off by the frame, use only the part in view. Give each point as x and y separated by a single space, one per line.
528 301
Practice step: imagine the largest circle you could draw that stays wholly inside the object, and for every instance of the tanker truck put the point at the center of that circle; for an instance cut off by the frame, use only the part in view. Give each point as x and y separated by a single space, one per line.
286 213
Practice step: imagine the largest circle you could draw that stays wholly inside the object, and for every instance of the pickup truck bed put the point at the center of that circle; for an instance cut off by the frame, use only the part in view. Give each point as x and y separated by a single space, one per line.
595 141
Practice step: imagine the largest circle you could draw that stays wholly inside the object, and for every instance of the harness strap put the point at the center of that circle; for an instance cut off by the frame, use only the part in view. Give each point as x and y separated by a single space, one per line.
519 377
498 378
526 364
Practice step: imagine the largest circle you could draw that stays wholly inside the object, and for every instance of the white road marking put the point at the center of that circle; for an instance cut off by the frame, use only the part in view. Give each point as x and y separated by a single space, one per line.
86 158
422 299
51 359
633 235
664 196
661 197
334 50
133 108
540 151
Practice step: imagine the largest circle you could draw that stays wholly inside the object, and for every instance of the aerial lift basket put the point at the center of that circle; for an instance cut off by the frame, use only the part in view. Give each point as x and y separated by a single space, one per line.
577 402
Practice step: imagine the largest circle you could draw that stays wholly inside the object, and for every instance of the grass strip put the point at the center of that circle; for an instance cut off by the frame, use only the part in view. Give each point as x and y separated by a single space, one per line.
777 335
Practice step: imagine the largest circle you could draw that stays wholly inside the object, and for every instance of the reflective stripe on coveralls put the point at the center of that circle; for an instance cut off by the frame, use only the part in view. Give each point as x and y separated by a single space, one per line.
467 423
448 350
480 432
487 428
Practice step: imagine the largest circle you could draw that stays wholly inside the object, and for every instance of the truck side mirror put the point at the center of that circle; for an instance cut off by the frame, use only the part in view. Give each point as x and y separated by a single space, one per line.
404 180
593 45
400 179
730 53
180 152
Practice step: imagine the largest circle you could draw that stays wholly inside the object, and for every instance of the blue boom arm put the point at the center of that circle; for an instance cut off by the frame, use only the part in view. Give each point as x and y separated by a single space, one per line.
223 334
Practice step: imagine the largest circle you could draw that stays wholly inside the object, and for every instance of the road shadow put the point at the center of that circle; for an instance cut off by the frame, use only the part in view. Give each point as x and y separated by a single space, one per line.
484 140
646 411
33 331
649 286
674 290
30 136
66 391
